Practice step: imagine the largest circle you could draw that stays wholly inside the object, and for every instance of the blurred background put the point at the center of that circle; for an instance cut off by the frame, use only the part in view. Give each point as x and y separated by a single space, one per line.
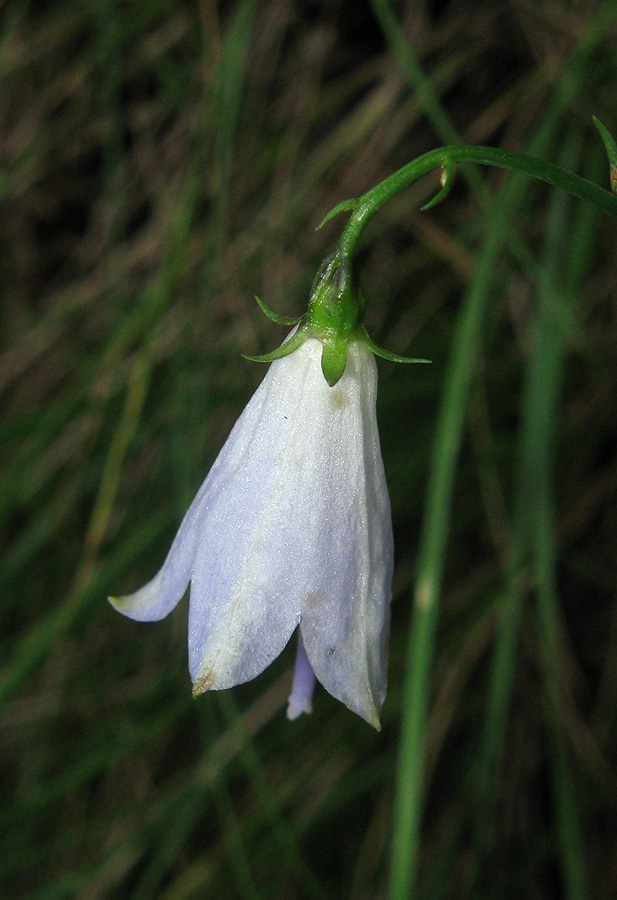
160 164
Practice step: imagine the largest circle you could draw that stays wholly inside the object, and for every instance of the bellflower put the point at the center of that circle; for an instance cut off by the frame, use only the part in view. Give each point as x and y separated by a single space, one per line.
290 531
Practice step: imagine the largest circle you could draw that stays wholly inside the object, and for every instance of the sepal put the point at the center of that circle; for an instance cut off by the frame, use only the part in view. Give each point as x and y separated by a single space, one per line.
382 352
274 316
285 349
333 359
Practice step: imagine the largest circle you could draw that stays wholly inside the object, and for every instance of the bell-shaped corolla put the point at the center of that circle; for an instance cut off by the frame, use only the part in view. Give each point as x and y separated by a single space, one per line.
290 530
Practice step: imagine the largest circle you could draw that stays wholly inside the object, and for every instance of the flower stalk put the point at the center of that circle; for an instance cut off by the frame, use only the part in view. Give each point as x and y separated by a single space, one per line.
448 158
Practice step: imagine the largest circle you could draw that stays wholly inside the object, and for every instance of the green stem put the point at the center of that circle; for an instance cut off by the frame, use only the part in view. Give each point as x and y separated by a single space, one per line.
431 559
446 158
410 787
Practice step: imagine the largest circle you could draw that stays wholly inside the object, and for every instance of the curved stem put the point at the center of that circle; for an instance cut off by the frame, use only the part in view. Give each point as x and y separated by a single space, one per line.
446 158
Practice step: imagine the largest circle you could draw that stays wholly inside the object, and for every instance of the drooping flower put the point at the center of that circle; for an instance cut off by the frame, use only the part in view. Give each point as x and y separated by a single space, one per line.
291 530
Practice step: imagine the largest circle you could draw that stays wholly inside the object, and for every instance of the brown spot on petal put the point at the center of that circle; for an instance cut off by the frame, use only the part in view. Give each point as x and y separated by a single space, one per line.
203 683
339 399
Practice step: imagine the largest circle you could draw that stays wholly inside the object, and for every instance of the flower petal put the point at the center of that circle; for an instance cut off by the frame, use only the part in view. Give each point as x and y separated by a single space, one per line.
290 534
292 524
345 616
301 697
156 599
161 595
245 598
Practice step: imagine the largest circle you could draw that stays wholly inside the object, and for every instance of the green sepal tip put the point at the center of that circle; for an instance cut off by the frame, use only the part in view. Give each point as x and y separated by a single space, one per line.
386 354
611 151
345 206
447 180
274 316
333 359
284 350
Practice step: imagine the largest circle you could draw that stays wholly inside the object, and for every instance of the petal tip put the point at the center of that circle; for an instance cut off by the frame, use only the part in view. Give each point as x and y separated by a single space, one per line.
203 683
367 706
295 710
372 717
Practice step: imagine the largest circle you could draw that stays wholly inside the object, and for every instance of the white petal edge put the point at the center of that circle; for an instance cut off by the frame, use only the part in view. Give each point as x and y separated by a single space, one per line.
161 595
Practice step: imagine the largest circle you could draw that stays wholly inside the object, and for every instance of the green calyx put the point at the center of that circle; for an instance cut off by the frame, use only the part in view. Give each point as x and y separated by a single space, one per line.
334 311
334 317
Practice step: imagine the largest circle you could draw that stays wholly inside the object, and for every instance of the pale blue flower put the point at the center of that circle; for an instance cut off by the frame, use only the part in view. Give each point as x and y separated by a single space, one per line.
290 530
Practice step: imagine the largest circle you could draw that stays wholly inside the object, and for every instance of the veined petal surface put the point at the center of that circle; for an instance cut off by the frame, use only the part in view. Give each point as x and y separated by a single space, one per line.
254 561
156 599
161 595
345 614
300 531
291 527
